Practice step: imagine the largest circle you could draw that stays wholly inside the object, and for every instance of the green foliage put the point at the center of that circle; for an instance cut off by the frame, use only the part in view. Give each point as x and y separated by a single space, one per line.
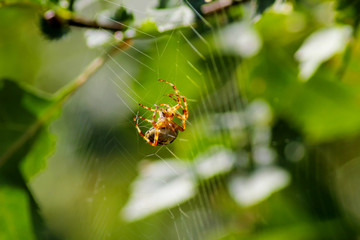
19 46
21 124
15 219
260 143
25 144
36 159
349 12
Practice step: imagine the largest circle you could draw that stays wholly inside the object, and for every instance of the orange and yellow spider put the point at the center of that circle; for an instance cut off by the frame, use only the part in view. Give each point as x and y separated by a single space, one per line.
165 130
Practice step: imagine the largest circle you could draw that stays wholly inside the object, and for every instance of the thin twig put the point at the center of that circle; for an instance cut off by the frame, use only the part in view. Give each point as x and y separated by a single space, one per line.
60 98
87 23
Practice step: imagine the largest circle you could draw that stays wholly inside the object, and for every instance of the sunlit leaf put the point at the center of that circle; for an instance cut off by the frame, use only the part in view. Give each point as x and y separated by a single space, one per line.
217 160
240 38
257 186
319 47
97 38
160 185
167 19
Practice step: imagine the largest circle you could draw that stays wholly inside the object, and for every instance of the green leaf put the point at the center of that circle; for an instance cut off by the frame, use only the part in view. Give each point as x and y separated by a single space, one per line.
342 4
15 215
42 149
23 136
348 11
20 50
305 230
25 143
8 2
322 108
326 110
178 187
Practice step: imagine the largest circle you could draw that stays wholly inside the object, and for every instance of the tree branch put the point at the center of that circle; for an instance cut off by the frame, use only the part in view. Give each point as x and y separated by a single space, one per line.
220 5
108 25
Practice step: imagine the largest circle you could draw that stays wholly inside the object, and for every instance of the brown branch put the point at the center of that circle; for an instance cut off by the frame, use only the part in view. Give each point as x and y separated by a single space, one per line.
57 21
217 6
108 25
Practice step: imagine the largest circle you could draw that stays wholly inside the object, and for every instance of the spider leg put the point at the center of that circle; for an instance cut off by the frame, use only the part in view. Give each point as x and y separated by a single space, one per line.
150 109
166 105
156 138
148 120
176 91
153 117
183 118
185 114
185 111
172 97
143 136
178 127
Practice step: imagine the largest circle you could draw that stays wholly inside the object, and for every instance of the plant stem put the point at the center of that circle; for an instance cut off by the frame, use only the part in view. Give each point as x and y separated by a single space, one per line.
90 70
60 98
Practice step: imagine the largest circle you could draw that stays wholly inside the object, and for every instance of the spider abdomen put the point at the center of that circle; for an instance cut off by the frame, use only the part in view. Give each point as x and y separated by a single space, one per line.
166 135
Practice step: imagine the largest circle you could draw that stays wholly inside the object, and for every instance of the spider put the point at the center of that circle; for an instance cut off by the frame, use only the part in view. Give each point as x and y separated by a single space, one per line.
164 131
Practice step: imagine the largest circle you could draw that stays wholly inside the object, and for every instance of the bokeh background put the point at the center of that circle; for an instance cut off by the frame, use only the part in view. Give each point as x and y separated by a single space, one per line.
271 148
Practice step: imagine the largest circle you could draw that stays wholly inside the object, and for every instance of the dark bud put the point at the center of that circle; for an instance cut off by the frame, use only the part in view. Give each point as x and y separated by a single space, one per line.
123 15
53 26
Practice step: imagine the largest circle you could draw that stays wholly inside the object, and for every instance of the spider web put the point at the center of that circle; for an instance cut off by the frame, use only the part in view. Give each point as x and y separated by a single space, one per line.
110 184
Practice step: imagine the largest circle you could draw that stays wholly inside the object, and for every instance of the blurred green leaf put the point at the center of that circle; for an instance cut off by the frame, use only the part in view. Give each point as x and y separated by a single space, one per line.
19 44
36 158
19 122
323 108
15 216
319 47
349 11
8 2
305 230
162 3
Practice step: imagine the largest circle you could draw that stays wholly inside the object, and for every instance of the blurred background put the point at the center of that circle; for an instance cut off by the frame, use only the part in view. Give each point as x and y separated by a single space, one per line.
271 146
